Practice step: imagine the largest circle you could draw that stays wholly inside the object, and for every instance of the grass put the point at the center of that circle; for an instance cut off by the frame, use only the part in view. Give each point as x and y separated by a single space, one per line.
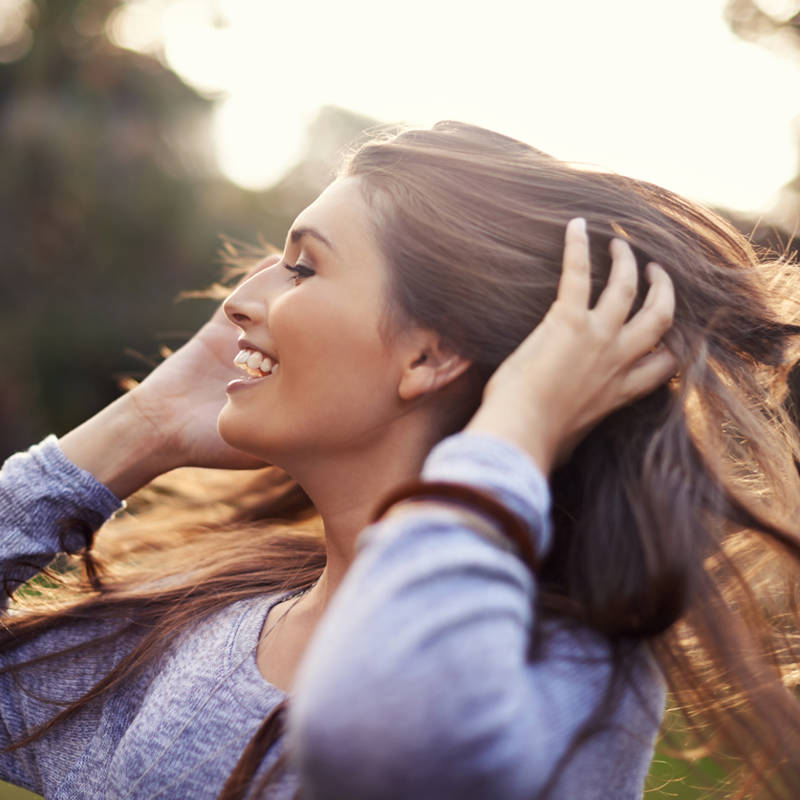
669 779
9 792
674 779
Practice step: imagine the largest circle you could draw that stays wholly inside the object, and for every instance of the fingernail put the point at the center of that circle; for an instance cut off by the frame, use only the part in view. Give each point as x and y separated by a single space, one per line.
579 223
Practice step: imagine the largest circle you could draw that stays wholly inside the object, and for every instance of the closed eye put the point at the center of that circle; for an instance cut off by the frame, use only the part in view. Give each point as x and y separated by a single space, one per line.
299 271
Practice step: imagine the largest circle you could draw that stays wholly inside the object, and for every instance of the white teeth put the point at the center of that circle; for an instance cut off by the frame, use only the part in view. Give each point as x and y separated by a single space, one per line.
255 363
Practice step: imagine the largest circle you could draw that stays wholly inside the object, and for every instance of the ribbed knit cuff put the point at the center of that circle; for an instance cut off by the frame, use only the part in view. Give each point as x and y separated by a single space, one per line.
497 466
44 487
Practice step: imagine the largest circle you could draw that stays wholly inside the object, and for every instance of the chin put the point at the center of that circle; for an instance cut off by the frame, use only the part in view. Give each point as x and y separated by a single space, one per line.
235 432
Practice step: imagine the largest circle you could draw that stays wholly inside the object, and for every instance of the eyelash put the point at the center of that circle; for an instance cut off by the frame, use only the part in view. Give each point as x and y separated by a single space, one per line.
299 271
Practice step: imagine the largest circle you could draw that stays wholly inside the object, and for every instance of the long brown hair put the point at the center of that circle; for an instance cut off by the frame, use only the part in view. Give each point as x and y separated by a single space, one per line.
675 520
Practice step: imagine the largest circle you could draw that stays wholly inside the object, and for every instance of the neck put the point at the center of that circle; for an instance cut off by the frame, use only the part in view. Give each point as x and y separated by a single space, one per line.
346 488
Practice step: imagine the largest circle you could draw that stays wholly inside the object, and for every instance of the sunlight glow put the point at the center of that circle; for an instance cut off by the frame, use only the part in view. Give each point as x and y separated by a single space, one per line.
660 91
136 26
16 36
779 10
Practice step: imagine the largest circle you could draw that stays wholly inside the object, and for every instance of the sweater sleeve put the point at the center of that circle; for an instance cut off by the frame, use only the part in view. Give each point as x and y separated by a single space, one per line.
417 682
48 505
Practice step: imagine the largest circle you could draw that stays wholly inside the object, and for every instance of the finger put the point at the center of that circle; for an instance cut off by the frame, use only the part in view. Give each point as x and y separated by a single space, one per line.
648 373
646 328
614 304
575 285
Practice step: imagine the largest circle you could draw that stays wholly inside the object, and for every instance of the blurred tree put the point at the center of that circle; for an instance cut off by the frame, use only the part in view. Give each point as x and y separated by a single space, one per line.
757 19
110 205
775 24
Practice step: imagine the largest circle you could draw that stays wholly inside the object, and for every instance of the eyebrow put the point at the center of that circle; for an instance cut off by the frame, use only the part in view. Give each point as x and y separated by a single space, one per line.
298 233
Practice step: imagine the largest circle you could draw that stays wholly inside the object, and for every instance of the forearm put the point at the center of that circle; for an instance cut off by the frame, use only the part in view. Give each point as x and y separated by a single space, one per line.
119 447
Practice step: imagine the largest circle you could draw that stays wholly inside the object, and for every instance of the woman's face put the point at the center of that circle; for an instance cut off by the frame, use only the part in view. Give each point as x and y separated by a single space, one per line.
317 314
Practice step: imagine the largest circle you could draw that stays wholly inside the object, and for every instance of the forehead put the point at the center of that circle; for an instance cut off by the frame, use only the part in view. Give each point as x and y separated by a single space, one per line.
341 216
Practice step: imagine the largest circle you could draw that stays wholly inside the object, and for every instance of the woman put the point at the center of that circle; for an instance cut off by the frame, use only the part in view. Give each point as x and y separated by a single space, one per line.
442 667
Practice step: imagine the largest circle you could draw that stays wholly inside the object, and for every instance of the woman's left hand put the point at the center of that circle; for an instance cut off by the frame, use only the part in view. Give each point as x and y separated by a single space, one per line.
581 363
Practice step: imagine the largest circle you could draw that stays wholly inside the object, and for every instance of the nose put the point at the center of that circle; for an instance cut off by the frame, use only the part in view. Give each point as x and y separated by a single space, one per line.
247 304
239 310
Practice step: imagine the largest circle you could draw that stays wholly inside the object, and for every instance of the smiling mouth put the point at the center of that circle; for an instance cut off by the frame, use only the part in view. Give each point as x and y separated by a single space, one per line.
255 363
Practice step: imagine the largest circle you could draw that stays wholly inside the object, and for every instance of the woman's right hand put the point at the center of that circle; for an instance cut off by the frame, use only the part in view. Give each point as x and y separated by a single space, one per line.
169 420
182 397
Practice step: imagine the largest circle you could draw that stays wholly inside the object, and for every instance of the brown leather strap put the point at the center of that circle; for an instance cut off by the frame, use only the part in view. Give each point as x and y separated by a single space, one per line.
474 499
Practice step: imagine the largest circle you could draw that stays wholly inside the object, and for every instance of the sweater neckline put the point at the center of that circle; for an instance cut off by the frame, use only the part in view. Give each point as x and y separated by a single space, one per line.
250 688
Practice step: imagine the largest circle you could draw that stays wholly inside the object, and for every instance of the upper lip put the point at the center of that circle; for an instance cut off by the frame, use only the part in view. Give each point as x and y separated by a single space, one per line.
243 344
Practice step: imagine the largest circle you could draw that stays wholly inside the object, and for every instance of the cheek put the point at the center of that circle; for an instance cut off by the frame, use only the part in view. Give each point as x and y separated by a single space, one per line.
335 364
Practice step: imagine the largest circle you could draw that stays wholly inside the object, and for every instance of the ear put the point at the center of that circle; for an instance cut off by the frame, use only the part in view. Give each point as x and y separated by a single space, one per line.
430 367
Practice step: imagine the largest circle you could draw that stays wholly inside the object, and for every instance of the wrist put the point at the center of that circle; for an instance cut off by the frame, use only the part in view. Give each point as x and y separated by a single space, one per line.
534 439
513 533
500 467
120 447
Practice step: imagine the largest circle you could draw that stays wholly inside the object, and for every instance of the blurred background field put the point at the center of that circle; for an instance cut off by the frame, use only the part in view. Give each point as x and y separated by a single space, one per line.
137 137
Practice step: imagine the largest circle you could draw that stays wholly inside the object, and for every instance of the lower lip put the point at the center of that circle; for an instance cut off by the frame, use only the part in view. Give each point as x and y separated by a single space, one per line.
238 384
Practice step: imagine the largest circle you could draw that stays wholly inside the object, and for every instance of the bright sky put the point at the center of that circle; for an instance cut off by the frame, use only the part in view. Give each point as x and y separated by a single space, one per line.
658 90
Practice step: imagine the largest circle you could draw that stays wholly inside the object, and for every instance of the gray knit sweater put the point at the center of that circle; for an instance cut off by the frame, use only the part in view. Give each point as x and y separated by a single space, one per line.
415 685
